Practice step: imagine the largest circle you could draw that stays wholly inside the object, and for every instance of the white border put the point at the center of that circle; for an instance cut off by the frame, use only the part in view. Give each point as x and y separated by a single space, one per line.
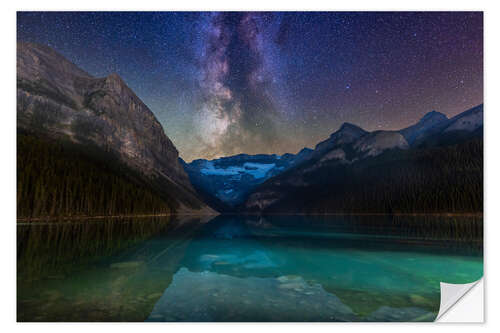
7 132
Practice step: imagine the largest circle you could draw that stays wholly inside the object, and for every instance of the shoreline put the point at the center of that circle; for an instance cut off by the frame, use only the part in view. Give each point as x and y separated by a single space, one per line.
96 217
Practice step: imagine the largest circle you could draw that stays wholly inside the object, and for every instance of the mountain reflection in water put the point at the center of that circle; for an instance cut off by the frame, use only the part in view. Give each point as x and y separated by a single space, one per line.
244 268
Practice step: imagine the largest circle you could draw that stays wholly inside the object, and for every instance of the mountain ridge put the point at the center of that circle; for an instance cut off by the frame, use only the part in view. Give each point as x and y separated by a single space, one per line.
431 120
347 145
329 174
57 99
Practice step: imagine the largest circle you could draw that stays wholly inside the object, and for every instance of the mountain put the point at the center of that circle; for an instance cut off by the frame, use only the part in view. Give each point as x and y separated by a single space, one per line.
96 124
380 172
375 143
347 133
468 121
430 122
351 143
460 128
303 155
226 181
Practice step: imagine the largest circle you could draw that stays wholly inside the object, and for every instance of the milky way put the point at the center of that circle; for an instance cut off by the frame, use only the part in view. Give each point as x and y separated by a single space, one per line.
236 111
229 83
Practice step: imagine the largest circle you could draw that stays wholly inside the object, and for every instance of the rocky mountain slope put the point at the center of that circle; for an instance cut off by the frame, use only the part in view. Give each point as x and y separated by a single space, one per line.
435 126
347 133
432 121
225 182
261 183
438 169
467 121
58 102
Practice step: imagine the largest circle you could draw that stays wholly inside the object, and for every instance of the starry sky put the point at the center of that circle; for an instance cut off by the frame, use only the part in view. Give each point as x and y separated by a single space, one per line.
275 82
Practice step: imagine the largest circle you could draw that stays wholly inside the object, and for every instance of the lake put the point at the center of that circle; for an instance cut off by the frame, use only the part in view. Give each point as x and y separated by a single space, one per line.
244 268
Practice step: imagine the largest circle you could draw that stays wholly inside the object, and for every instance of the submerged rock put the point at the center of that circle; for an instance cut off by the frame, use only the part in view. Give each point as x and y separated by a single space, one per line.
287 278
126 264
155 295
247 299
387 313
420 300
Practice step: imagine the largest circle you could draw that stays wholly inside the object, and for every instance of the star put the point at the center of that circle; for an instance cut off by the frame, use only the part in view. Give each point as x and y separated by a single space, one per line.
221 83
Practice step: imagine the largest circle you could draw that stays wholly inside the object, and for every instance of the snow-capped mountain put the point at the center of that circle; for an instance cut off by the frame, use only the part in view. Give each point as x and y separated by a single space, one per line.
231 178
374 143
439 127
347 133
469 120
256 182
432 121
353 168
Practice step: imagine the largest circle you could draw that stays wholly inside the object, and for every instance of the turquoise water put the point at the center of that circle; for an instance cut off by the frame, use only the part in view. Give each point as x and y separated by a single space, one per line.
241 268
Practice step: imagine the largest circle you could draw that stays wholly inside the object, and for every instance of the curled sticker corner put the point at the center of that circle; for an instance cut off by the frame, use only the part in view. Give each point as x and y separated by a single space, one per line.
451 294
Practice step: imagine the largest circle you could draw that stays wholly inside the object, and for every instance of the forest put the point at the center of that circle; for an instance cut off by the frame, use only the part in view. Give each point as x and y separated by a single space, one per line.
58 178
438 179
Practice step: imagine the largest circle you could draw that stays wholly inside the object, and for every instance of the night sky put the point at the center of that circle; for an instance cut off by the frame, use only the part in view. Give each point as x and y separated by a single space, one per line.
229 83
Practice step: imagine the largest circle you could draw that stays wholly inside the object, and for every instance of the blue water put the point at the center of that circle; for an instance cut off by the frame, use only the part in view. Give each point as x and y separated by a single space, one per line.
237 268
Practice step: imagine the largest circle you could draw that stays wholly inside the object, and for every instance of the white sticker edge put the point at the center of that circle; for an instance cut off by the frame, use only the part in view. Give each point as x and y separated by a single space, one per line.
455 303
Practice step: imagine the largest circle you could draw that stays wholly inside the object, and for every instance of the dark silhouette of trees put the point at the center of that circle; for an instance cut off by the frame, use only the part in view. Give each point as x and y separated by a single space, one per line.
57 178
439 179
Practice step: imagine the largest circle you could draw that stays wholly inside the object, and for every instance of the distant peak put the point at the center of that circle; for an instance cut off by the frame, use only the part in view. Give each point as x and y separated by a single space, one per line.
433 114
305 150
348 127
475 109
346 133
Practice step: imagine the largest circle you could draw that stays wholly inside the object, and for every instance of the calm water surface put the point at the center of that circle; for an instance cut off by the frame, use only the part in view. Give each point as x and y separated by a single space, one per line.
240 268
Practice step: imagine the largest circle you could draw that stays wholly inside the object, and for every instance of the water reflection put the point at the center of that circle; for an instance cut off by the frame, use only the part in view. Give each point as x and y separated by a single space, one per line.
107 270
244 268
